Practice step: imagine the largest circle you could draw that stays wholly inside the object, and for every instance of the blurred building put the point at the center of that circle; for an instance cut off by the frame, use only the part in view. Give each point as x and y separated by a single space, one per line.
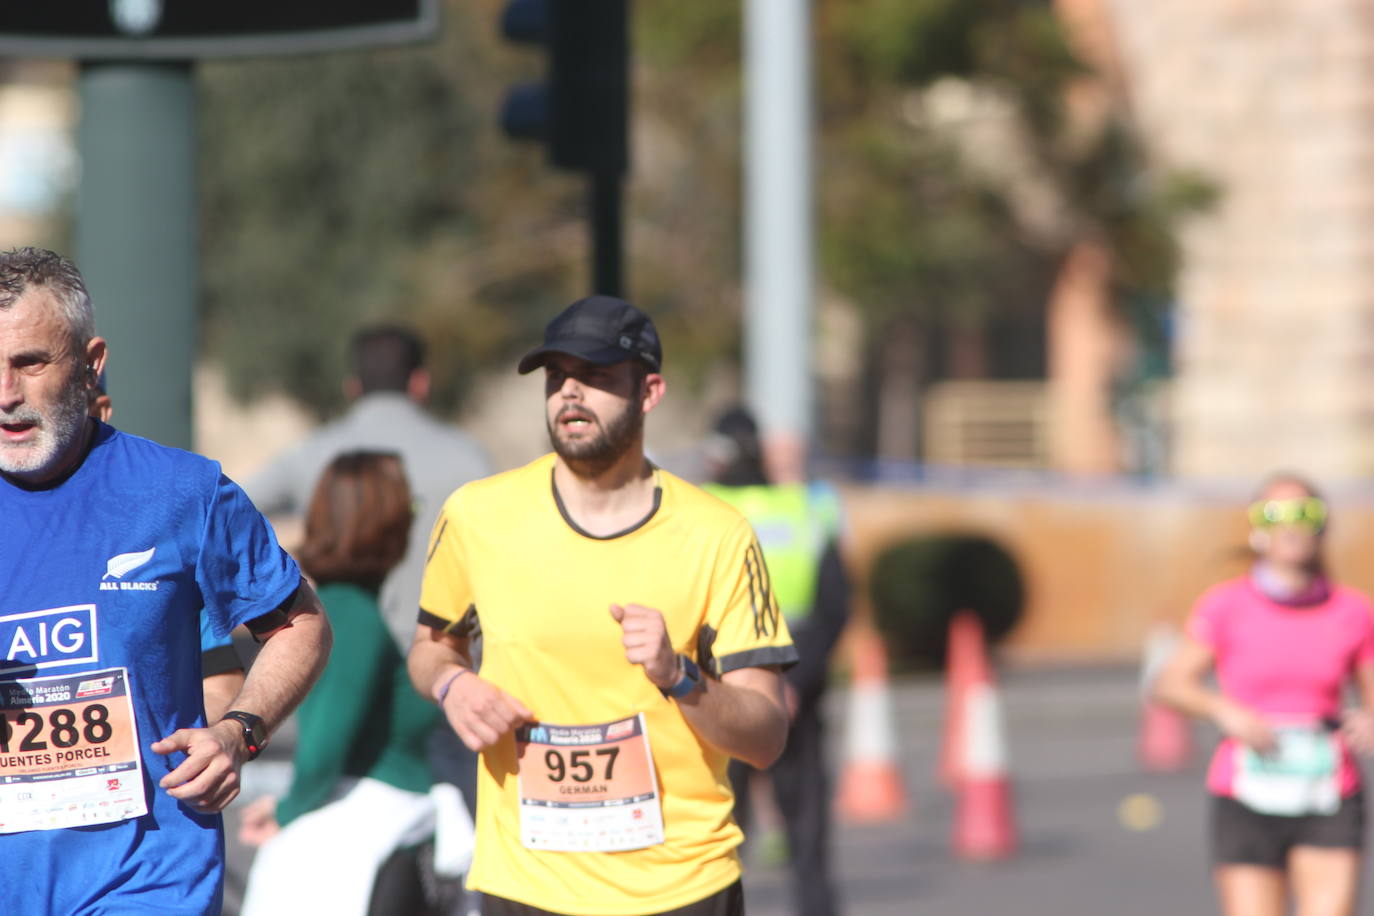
1275 345
1272 332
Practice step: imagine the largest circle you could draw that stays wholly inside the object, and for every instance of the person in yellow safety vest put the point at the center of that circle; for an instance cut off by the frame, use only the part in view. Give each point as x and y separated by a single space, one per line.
798 526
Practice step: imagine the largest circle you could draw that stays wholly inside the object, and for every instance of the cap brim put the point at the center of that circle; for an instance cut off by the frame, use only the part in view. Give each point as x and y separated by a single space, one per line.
598 354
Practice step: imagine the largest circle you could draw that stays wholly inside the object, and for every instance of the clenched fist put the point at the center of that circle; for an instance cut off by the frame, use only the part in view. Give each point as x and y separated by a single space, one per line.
645 637
480 712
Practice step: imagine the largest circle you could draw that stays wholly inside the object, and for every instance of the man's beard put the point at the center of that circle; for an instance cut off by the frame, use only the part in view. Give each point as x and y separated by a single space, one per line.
55 432
598 454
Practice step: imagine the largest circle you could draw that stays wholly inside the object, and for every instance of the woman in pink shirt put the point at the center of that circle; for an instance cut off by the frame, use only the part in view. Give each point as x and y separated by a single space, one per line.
1284 641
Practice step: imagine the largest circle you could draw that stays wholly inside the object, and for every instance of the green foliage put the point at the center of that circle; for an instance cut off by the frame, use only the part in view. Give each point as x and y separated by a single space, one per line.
908 41
345 188
935 241
919 584
340 189
910 229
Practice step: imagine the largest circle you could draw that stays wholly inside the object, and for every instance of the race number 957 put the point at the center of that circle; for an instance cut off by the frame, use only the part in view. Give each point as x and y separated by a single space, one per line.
580 766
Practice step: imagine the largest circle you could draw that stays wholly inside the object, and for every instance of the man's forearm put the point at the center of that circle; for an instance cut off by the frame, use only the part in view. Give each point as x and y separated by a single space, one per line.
430 655
742 715
220 692
288 664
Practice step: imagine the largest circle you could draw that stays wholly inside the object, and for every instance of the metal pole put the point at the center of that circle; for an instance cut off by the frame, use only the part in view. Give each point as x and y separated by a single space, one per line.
607 237
136 237
778 218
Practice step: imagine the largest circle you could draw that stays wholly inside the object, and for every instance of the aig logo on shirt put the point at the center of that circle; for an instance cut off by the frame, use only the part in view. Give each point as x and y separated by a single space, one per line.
42 639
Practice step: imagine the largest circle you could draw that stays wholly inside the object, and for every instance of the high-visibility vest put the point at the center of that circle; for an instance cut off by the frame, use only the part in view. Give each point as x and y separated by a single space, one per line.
793 523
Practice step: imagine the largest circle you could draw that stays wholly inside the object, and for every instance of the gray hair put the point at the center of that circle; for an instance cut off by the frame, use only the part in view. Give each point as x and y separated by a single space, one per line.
23 268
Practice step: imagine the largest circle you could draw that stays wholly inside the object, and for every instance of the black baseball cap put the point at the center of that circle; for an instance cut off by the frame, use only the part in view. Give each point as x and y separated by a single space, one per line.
602 330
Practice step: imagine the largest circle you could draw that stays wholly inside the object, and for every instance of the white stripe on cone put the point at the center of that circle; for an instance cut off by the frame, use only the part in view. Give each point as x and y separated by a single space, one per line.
868 731
985 749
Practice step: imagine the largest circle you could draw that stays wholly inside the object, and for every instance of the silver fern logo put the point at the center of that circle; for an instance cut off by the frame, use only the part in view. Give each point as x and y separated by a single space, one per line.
122 564
136 17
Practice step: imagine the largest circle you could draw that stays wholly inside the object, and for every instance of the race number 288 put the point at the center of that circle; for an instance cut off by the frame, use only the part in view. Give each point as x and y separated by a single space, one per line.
60 727
578 765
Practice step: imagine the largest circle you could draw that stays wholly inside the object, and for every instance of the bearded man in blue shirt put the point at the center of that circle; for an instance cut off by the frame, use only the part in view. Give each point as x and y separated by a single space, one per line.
111 779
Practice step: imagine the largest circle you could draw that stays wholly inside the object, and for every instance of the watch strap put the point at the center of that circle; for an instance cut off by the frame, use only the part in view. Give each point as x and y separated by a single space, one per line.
254 731
689 681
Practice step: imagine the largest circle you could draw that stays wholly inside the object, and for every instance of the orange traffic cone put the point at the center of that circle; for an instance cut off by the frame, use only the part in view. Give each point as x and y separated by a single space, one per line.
965 665
984 822
1166 737
871 789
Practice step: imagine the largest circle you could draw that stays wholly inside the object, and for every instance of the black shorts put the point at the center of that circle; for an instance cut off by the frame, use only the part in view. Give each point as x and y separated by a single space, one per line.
1241 836
728 902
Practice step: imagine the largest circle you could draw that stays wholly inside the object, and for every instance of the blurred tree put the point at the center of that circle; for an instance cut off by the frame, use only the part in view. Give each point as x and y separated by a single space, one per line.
343 188
964 113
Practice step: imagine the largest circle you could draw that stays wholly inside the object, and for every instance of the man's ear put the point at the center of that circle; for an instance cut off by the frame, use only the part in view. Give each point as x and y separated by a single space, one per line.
652 392
96 351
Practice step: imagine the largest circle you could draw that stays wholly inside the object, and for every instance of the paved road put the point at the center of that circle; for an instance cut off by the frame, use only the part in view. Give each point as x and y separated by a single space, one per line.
1071 738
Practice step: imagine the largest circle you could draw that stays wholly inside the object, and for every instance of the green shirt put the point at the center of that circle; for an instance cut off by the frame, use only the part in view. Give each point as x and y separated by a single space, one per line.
363 717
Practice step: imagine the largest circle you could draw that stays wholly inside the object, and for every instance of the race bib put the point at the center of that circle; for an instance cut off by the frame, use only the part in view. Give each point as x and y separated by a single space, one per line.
1298 778
68 752
588 788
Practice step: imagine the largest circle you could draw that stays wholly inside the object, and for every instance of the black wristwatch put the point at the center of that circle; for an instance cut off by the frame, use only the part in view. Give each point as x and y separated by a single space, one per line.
254 732
690 680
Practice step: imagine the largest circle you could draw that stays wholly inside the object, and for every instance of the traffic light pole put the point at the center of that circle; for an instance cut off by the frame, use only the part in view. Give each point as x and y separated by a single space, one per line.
136 237
607 236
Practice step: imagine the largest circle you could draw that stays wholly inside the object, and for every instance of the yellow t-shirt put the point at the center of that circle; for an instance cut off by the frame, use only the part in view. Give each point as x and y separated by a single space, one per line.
541 590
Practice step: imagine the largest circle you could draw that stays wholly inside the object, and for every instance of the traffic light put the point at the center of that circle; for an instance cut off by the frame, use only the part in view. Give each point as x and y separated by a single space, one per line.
581 109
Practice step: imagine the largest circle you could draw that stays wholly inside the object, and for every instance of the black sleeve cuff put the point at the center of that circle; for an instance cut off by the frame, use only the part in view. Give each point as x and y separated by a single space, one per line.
464 627
274 619
220 660
782 656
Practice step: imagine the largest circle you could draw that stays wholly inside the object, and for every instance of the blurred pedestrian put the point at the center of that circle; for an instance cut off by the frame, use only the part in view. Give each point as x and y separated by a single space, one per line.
114 547
632 648
221 669
1284 641
388 387
798 527
360 783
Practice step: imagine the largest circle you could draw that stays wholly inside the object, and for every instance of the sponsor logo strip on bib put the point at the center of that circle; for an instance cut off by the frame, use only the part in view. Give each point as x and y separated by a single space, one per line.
588 788
68 752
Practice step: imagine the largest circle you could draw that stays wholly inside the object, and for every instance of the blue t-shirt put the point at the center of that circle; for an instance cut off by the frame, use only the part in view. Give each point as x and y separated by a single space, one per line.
209 639
111 569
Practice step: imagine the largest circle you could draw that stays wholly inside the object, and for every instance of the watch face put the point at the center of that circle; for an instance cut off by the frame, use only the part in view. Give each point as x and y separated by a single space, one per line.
254 732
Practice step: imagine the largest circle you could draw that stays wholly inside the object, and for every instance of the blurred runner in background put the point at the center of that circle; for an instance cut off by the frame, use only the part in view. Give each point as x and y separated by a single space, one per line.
1284 641
798 526
388 388
343 839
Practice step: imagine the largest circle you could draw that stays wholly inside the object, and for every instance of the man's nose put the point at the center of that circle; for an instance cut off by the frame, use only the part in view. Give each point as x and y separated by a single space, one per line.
11 391
571 388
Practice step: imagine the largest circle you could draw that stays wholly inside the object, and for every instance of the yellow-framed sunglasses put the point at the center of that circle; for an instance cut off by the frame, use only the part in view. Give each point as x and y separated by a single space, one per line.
1307 513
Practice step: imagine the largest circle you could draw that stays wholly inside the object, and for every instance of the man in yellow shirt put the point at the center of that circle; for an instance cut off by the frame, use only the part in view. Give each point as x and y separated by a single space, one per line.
632 646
